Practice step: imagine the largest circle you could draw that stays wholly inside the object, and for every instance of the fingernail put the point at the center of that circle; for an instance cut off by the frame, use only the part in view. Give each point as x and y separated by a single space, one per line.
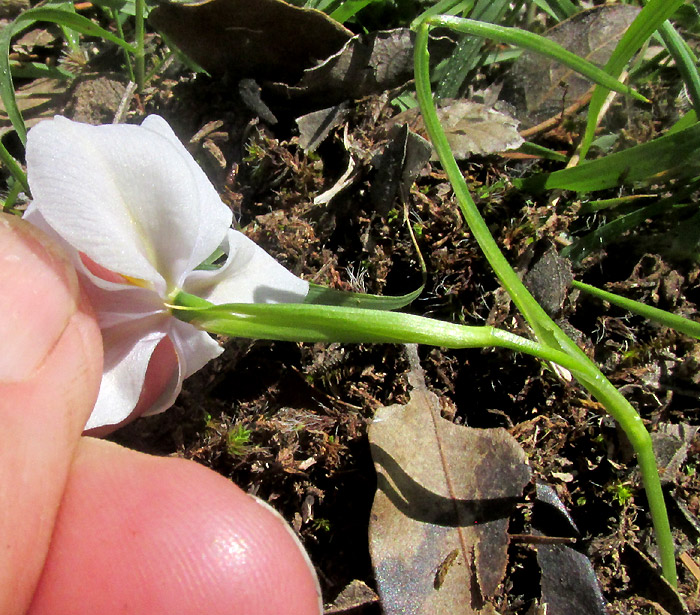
38 292
293 534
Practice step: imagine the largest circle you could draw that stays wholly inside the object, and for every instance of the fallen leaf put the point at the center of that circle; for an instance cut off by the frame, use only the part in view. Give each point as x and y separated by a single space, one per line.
441 487
355 595
398 166
671 443
264 39
314 127
540 88
471 127
549 515
569 584
367 64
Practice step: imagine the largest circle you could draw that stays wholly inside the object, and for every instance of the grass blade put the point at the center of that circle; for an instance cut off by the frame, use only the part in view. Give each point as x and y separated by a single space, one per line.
686 62
642 162
538 44
651 17
466 56
321 295
673 321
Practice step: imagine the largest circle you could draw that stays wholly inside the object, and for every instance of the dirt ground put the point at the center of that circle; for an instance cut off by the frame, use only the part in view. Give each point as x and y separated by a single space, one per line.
306 407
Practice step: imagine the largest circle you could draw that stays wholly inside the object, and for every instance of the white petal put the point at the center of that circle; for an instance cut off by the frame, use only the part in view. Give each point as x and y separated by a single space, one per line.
250 275
129 197
127 352
194 350
194 347
117 304
114 303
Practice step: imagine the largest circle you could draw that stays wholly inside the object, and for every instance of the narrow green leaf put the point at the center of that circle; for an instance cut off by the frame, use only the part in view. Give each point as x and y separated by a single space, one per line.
538 44
22 22
686 121
321 295
559 9
349 9
538 150
33 70
466 56
444 7
608 233
670 152
679 323
13 166
685 60
650 18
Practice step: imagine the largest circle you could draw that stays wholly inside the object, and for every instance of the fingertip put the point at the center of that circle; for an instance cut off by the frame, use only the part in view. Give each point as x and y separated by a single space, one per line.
168 536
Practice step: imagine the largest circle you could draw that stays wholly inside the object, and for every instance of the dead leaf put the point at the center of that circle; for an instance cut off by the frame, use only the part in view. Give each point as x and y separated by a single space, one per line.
569 584
671 445
355 595
441 487
367 64
398 166
315 127
265 39
540 88
471 127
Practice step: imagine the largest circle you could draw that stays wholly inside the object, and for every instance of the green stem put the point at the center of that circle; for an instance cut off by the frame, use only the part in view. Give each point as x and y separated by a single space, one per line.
546 331
120 32
9 205
679 323
13 167
139 43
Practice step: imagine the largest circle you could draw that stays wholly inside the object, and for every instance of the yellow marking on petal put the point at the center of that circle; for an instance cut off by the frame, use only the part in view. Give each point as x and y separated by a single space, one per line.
138 282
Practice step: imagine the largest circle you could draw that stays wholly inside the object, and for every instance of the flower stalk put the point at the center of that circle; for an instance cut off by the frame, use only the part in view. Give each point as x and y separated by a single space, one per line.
546 330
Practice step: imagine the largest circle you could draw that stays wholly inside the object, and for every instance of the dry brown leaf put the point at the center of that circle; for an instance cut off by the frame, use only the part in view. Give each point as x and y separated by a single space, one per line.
438 529
265 39
367 64
471 128
569 584
540 88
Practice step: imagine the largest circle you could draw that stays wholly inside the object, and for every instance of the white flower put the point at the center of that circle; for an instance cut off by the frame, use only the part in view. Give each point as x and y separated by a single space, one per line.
132 200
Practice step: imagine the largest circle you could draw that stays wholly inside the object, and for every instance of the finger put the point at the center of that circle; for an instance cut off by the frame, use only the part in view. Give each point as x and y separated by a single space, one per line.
50 369
142 534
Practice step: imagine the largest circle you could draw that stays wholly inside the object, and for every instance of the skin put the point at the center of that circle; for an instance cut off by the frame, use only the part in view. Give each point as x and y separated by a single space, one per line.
87 526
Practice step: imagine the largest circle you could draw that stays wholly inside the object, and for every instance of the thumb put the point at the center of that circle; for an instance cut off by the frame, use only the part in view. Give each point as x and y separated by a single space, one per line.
50 370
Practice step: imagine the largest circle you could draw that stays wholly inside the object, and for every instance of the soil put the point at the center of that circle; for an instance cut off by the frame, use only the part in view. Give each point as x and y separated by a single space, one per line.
307 407
288 421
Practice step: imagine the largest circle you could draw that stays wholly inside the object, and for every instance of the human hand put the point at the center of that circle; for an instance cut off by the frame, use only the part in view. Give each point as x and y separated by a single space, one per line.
87 526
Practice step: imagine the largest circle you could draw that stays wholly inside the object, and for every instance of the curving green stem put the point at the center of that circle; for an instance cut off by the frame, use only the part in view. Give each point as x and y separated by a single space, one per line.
545 329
